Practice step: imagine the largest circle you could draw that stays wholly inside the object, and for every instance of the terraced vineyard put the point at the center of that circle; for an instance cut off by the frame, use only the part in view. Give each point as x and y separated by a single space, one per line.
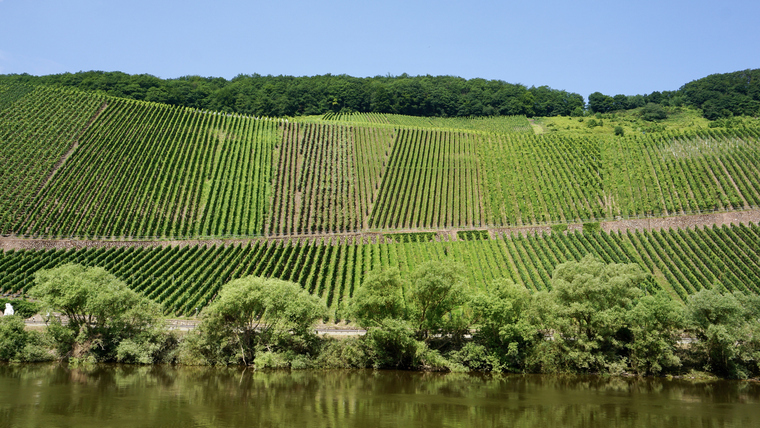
327 177
37 128
182 279
151 170
107 167
432 181
83 165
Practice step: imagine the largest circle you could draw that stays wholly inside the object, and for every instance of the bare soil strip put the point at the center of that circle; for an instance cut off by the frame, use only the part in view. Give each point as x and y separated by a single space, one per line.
8 243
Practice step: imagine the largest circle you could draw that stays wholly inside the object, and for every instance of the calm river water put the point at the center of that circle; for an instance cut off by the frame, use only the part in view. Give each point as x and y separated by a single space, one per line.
128 396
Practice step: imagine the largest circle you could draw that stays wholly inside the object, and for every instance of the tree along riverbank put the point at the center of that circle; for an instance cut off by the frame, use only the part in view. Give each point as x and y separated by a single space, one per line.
600 318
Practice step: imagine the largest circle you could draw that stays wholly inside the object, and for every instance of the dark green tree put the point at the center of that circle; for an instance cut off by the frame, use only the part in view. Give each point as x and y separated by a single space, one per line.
437 290
586 309
379 298
253 316
600 103
727 328
106 320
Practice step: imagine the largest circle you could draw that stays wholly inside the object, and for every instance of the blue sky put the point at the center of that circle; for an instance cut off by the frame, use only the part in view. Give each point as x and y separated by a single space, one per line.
618 47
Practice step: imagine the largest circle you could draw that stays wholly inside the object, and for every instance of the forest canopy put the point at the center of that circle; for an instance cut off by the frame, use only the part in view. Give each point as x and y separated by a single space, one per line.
718 95
277 96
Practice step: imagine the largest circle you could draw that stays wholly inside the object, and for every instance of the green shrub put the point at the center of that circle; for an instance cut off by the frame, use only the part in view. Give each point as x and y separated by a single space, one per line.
392 345
344 353
559 228
13 337
592 227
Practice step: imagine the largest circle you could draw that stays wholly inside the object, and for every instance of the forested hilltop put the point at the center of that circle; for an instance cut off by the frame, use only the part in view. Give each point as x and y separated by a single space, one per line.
718 95
277 96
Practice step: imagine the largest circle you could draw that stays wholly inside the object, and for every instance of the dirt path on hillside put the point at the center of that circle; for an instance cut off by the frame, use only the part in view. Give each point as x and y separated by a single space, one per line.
8 243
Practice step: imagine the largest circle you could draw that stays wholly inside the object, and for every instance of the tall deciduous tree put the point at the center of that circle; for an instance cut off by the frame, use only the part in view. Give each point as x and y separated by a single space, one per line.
106 319
253 315
437 289
586 310
379 298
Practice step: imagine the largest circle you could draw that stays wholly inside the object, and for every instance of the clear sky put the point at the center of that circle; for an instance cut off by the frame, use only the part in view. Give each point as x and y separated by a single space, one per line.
615 47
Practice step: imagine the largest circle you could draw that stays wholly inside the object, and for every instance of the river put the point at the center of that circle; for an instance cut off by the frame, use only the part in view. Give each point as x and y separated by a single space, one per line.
55 395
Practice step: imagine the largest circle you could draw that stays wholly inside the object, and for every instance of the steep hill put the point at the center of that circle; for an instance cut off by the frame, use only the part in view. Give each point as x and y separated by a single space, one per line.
86 165
323 199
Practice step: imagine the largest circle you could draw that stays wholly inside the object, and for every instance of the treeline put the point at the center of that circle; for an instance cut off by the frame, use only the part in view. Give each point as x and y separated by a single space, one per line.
718 95
595 318
257 95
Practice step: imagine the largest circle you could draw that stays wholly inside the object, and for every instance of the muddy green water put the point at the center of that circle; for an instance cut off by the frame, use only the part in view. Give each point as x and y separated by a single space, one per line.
127 396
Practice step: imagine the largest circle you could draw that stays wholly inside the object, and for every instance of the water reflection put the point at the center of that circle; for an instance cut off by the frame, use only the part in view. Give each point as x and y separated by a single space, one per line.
55 395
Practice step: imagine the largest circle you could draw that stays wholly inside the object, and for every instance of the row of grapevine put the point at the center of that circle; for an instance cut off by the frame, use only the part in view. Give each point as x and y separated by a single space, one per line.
499 124
432 181
144 169
680 262
682 173
9 94
537 179
34 136
327 177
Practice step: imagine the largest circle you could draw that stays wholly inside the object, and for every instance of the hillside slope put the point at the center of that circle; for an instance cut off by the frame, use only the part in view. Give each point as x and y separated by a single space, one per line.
86 165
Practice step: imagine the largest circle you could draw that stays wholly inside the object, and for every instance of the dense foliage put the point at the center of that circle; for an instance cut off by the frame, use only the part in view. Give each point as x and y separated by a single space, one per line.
101 318
718 95
253 319
293 96
596 318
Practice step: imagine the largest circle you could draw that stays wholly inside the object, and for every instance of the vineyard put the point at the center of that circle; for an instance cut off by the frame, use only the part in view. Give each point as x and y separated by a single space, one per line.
83 165
500 124
145 170
680 262
36 133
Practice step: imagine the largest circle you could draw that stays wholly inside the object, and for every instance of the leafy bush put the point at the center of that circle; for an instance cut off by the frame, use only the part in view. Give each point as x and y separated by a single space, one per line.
102 313
592 227
254 316
652 112
727 328
19 345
